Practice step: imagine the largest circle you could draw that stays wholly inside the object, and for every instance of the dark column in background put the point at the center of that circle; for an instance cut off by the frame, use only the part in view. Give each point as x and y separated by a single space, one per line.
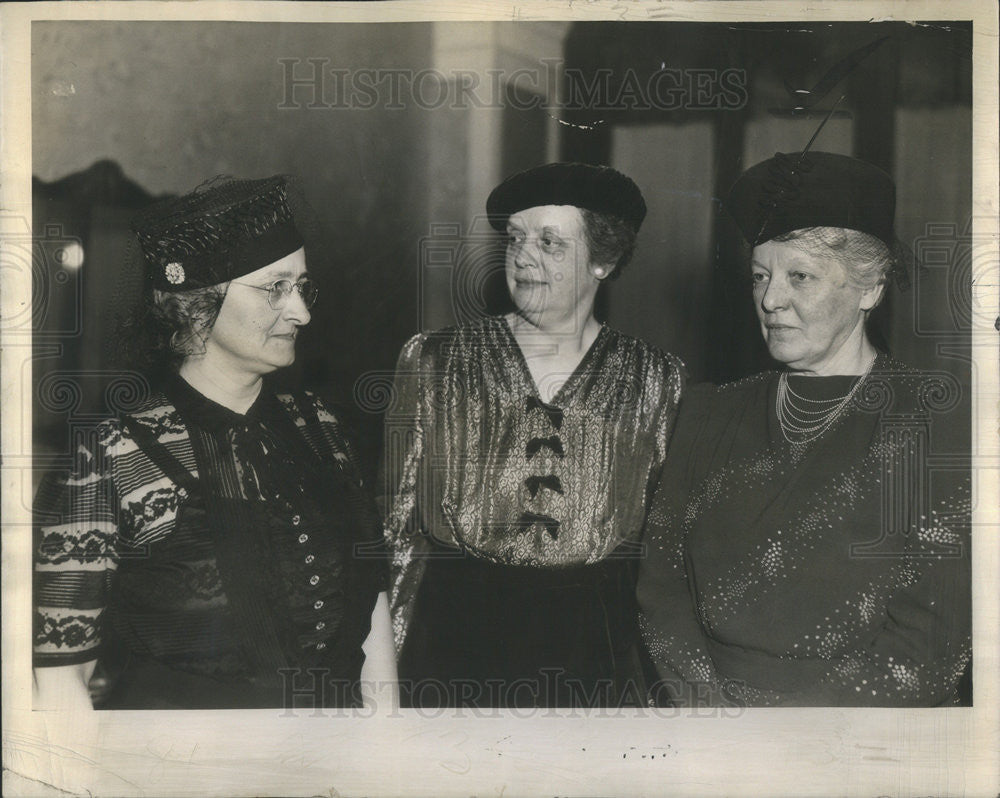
731 342
586 136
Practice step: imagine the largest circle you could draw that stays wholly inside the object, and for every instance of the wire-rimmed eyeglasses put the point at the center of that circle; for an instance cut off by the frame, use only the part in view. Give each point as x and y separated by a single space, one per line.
279 291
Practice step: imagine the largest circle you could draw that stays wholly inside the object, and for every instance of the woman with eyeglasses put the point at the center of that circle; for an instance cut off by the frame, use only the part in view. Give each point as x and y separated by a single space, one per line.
216 543
522 450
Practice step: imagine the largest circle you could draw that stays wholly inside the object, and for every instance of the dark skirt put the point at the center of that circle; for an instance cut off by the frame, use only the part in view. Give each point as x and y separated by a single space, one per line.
487 635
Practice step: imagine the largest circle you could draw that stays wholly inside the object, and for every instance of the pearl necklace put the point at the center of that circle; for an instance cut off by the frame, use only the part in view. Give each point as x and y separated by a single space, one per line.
802 420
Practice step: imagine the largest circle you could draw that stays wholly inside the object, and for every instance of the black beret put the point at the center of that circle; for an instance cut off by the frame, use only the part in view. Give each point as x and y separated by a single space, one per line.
820 189
216 233
596 188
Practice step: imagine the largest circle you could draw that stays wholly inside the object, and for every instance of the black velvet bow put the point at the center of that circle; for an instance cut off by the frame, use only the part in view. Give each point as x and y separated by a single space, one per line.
551 524
554 413
553 442
266 466
550 481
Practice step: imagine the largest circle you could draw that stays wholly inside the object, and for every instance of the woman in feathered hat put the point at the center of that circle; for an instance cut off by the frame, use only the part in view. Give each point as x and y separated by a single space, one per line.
525 447
804 546
215 545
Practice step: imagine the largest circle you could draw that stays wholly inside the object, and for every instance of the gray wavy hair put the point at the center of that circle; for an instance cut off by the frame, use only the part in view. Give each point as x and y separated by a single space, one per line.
867 260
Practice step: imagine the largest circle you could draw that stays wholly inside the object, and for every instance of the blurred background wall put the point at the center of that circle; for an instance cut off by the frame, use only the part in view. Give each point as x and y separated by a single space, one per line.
397 132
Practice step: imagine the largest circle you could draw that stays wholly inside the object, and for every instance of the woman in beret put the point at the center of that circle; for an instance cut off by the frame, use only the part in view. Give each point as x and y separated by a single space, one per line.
215 542
524 448
809 540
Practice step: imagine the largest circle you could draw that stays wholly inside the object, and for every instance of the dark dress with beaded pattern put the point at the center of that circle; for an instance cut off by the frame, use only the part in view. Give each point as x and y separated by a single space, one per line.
515 524
828 573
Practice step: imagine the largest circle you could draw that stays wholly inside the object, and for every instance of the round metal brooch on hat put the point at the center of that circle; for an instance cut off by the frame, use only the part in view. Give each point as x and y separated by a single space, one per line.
174 273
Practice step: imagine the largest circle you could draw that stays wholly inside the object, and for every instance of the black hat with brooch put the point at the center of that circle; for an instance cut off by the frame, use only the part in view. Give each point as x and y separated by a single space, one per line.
812 189
218 232
596 188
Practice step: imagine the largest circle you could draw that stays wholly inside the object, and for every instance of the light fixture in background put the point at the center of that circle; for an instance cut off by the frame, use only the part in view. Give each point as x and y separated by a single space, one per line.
70 255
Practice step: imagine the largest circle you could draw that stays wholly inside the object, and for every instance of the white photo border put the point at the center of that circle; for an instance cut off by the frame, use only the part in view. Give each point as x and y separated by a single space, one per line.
802 752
